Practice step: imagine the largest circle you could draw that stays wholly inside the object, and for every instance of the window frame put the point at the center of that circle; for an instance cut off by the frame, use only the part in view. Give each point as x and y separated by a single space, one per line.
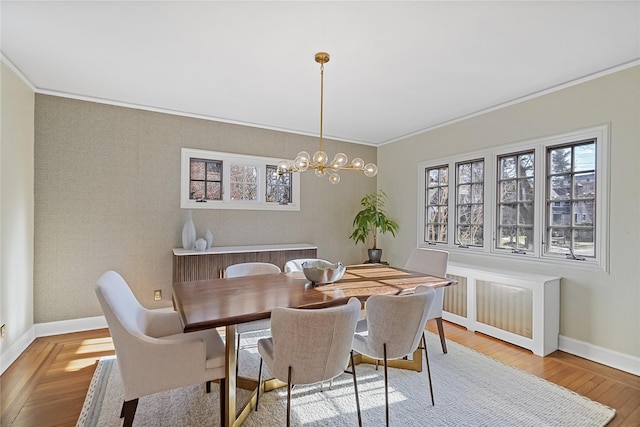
539 146
227 203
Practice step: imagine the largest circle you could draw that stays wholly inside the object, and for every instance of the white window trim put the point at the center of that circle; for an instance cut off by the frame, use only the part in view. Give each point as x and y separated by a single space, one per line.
538 255
226 203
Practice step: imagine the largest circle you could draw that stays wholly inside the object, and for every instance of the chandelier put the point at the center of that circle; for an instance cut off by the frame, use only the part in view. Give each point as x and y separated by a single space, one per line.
319 162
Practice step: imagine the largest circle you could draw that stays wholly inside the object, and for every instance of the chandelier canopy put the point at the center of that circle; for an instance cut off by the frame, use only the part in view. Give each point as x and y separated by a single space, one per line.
319 162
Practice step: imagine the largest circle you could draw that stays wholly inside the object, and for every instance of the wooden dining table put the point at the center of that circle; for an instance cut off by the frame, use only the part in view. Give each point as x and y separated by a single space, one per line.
216 303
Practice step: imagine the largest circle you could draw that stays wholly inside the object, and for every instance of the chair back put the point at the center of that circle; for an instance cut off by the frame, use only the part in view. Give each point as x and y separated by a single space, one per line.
428 261
295 265
434 262
126 319
251 269
397 321
316 343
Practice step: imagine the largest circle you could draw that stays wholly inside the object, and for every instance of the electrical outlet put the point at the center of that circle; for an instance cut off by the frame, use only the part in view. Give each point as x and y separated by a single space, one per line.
157 295
3 331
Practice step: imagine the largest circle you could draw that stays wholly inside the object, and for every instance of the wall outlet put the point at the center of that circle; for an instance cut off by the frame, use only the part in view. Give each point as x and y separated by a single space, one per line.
3 331
157 295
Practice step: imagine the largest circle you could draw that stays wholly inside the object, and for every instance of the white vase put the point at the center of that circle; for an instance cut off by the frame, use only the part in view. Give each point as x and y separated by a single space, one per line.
209 238
189 233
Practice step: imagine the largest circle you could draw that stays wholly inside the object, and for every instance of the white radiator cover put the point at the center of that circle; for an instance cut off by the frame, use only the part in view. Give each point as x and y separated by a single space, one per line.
520 308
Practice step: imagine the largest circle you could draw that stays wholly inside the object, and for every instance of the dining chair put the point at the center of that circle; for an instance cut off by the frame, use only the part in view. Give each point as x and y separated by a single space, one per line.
308 346
152 351
393 329
434 262
250 269
295 265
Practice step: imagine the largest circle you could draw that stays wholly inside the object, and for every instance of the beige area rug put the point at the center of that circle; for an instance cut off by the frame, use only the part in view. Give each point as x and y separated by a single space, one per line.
470 389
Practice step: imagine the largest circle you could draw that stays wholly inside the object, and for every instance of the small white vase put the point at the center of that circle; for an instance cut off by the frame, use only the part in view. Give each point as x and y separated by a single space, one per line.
189 233
201 245
209 238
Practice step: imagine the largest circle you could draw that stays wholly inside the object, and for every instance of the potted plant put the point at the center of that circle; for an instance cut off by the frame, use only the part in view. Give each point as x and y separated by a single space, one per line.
371 220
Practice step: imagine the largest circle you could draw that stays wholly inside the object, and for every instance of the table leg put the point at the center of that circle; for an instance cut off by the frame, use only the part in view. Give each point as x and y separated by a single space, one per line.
230 375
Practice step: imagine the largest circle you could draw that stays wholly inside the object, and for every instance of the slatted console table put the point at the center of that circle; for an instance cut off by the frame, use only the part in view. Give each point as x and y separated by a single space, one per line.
191 265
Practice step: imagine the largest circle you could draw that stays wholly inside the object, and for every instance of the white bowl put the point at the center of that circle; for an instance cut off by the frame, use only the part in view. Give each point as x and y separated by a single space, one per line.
321 272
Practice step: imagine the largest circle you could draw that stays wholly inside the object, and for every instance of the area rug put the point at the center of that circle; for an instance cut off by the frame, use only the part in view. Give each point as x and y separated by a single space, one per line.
470 389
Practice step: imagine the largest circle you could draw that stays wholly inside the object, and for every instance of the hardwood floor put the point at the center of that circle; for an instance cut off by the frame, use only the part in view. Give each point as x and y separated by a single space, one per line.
47 385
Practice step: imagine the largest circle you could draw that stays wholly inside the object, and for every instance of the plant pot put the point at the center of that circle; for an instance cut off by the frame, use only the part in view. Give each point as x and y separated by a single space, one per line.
374 255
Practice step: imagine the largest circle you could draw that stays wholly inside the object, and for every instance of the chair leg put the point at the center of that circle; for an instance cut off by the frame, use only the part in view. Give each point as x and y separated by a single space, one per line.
222 392
426 356
443 341
259 384
208 386
355 386
386 385
238 356
128 412
289 398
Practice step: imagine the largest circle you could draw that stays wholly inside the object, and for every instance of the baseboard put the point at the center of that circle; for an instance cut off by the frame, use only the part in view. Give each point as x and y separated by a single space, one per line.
69 326
46 329
614 359
12 353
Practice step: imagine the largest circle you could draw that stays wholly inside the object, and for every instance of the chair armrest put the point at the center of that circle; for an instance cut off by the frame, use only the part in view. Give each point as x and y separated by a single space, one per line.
162 323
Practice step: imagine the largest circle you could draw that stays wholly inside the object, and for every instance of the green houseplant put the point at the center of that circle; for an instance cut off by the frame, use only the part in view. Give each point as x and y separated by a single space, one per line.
371 220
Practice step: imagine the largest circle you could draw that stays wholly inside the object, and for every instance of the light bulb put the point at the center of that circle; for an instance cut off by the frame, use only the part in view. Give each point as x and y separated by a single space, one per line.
304 155
319 173
283 166
301 164
339 160
320 158
334 178
357 163
370 170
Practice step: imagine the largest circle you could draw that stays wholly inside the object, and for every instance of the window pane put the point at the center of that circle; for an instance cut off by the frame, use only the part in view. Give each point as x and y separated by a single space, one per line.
560 160
560 213
464 173
527 165
464 194
464 214
584 185
433 180
560 187
478 172
197 169
583 242
196 190
585 157
583 213
434 196
526 189
477 216
508 168
507 237
436 204
525 214
214 171
507 215
214 191
508 191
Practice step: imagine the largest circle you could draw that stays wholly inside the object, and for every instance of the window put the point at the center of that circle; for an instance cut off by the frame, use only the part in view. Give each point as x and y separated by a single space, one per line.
470 203
215 180
205 181
437 206
571 201
543 200
278 186
515 196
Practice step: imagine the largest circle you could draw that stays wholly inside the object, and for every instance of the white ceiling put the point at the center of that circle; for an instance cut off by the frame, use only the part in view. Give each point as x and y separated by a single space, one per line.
397 68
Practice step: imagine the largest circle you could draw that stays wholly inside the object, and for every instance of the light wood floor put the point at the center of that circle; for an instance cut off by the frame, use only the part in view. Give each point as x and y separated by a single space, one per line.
47 385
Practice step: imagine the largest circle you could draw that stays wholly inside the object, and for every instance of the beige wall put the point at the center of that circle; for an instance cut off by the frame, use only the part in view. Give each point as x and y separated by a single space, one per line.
16 217
107 188
596 308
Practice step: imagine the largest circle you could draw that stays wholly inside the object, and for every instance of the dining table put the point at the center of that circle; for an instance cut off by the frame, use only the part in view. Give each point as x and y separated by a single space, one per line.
227 302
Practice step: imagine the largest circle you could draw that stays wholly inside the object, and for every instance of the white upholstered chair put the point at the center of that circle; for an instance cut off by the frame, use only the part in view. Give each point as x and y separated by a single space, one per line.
393 329
309 346
250 269
434 262
295 265
152 351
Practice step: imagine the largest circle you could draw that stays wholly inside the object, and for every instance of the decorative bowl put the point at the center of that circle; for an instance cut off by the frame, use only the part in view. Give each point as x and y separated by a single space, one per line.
321 272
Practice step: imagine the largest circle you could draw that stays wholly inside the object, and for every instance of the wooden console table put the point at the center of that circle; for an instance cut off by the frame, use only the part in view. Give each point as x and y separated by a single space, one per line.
189 265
